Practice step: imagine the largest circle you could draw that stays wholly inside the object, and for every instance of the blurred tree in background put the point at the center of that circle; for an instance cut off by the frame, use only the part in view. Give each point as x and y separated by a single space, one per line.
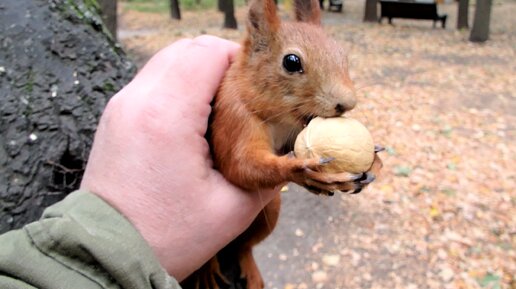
175 11
481 22
371 11
108 10
462 14
228 8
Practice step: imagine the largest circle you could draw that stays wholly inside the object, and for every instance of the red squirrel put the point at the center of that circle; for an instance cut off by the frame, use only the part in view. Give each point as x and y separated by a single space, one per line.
285 74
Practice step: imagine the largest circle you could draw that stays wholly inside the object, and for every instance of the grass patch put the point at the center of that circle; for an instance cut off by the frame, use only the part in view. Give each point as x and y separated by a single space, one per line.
162 6
491 281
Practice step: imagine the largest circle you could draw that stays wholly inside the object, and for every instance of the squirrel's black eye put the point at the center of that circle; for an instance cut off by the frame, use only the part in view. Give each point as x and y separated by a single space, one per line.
292 63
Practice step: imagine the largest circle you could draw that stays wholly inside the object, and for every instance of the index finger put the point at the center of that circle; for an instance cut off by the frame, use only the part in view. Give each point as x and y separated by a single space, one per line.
190 70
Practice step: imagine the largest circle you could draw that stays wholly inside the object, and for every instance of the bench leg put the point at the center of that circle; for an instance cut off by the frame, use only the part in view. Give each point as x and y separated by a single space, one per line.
444 23
390 20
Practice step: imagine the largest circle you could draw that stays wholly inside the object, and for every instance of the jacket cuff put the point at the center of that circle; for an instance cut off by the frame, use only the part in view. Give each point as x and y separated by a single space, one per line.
86 235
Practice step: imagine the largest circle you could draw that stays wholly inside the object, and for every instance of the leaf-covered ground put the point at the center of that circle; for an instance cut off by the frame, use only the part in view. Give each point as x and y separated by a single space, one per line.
443 214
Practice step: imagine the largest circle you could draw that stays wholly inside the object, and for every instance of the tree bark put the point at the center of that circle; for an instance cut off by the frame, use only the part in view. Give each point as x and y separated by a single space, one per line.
175 11
462 14
108 9
228 7
58 69
371 13
480 30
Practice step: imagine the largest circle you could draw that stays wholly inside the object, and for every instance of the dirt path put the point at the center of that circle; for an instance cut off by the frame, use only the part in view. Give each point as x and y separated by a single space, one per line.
443 214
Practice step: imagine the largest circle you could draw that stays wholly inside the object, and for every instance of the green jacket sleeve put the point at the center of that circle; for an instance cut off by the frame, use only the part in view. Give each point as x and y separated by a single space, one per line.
80 242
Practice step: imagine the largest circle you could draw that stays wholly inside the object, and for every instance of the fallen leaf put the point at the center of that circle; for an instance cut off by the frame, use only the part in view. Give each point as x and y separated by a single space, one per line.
319 277
331 260
434 212
402 171
491 281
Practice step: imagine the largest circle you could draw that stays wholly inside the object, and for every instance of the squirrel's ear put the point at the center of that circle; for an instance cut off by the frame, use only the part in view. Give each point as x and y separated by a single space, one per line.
262 20
308 11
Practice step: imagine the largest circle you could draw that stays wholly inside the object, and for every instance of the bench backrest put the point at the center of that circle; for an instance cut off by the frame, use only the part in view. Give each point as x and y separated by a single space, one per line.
409 9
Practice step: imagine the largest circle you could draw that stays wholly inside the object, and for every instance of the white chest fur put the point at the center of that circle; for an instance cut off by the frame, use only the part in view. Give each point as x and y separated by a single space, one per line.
282 134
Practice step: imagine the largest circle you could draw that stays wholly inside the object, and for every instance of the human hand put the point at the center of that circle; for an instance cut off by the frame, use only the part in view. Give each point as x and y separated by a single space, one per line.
151 162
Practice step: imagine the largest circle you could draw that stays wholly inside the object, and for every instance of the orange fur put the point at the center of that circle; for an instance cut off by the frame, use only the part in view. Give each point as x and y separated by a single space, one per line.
260 108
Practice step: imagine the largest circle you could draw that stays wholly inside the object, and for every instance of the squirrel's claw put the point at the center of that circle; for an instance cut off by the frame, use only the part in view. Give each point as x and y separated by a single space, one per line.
378 148
363 181
357 191
367 179
329 184
324 161
317 191
313 189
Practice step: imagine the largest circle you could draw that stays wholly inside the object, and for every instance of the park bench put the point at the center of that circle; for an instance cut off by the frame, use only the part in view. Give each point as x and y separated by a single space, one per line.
333 5
410 9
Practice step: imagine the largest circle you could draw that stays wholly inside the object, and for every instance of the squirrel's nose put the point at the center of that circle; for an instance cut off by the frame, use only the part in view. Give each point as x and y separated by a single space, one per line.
339 108
344 106
341 98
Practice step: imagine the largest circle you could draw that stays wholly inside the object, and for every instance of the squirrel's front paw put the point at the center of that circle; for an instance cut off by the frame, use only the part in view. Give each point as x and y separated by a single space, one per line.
318 182
354 186
330 183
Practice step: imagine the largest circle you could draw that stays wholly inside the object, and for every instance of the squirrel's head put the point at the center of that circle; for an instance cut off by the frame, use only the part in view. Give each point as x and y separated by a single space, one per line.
295 65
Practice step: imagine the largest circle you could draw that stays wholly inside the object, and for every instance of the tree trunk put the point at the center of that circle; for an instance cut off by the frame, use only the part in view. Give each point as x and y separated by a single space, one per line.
371 13
462 14
108 9
480 31
175 12
228 6
57 71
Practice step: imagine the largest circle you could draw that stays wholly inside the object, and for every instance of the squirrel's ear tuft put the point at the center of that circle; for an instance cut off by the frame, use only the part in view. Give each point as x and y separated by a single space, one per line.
262 21
308 11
